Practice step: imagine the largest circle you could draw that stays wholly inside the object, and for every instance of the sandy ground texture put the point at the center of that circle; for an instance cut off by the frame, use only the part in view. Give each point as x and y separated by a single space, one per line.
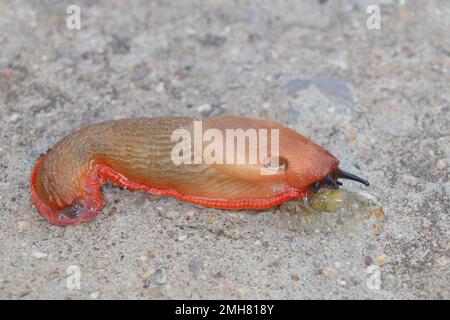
377 99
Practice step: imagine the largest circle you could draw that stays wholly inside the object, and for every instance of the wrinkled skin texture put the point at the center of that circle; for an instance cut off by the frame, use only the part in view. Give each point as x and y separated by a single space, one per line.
136 154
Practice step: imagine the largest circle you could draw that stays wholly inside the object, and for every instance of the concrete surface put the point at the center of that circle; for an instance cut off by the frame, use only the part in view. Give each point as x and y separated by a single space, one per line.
378 99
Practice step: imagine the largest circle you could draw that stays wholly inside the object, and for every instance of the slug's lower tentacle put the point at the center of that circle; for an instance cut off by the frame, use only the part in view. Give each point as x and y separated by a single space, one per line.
316 187
329 179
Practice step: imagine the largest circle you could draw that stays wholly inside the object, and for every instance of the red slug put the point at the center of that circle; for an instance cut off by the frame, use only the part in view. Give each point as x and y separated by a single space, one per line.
138 154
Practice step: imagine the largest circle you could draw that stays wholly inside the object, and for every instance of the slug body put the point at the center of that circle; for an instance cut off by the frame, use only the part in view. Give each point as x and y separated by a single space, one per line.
137 154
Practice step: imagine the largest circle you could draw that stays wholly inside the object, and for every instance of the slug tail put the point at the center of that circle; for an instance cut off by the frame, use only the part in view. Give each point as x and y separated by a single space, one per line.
80 210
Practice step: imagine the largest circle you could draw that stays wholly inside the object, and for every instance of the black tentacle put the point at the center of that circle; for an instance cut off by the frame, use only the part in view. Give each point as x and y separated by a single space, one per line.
350 176
316 187
332 182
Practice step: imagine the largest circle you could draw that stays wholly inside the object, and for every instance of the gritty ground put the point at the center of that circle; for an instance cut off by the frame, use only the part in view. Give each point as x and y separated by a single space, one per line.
377 99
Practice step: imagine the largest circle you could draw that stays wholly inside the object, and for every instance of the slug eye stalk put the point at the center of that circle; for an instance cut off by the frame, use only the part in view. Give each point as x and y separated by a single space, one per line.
332 179
339 173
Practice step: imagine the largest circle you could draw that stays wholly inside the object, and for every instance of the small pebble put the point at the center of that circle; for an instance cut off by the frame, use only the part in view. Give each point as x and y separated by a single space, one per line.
22 226
232 233
14 117
190 215
380 259
441 164
368 260
38 254
213 217
443 261
94 295
379 213
243 291
377 228
204 108
190 31
160 87
182 237
171 214
196 267
295 278
148 273
327 272
160 277
155 292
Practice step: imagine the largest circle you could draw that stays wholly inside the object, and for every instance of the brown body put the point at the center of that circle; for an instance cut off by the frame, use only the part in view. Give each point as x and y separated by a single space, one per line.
136 154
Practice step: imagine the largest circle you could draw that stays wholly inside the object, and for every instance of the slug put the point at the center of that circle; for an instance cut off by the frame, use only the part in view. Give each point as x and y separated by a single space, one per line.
138 154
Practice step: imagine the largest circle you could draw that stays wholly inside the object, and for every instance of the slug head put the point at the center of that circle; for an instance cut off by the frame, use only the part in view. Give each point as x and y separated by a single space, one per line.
304 164
309 165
